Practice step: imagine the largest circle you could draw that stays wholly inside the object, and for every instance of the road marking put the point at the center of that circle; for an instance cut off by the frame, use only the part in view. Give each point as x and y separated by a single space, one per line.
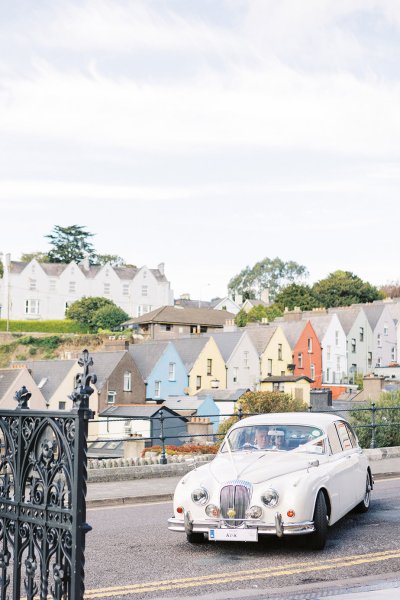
231 577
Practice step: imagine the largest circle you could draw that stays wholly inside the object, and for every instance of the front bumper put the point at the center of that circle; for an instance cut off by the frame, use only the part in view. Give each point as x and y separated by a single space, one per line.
278 528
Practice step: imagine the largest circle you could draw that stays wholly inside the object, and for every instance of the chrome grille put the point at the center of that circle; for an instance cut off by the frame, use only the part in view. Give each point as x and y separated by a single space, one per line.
235 495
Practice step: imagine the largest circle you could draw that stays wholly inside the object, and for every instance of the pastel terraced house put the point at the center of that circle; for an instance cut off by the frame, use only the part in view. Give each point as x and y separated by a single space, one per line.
333 345
241 359
161 368
306 350
273 348
359 340
204 363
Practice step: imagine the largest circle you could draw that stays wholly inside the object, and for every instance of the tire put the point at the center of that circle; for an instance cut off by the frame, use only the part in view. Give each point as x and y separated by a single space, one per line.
317 539
195 538
363 506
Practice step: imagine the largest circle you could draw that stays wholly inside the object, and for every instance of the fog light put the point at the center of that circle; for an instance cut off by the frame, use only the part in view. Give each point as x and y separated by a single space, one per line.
254 512
212 511
291 513
179 510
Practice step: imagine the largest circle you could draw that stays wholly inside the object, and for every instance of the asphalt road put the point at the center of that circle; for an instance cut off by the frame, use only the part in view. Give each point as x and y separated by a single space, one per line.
131 554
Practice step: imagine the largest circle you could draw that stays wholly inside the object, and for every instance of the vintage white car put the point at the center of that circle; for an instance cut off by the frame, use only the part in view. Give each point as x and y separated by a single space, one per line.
275 474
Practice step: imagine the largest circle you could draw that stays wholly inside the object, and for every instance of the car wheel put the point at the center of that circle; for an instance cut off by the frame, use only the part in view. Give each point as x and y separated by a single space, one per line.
317 539
365 502
195 538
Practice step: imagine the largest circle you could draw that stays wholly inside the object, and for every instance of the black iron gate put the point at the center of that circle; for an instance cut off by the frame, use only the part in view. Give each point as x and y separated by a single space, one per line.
43 462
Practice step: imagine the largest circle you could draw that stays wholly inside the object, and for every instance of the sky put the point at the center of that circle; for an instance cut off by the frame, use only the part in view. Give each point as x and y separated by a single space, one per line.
205 134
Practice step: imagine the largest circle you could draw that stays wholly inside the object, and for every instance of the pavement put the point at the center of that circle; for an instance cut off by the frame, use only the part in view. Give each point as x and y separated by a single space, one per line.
161 489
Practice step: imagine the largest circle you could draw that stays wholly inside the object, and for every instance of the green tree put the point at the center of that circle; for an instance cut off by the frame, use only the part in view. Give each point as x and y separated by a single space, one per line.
89 313
271 274
1 269
41 257
257 313
264 402
294 295
113 259
343 288
70 243
389 433
241 318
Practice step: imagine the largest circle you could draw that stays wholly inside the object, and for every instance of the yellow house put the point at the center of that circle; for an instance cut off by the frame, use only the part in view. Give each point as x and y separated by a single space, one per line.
273 349
203 361
296 386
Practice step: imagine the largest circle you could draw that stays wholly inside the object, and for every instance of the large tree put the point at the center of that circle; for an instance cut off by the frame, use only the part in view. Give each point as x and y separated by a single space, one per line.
41 257
343 288
258 313
294 295
70 243
96 313
271 274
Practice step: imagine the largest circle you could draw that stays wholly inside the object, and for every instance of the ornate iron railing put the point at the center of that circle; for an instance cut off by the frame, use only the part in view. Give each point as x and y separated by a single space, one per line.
43 473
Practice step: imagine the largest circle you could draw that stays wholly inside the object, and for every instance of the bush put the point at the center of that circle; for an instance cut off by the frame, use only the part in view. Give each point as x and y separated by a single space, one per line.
386 435
96 313
45 343
171 450
263 402
54 326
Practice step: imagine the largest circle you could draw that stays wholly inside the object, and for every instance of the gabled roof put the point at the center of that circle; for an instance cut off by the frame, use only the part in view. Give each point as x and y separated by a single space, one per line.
320 324
183 316
147 355
191 403
7 378
223 395
286 378
260 335
104 364
49 374
346 316
293 330
137 411
254 302
227 342
374 313
189 349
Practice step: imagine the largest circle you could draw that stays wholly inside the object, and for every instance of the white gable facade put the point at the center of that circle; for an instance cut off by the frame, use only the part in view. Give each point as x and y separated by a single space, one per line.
41 291
243 366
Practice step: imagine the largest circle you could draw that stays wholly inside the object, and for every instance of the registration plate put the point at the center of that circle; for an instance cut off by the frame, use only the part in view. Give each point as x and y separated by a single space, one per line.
233 535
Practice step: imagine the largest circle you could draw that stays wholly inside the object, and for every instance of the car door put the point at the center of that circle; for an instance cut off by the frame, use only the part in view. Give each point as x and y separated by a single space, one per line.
342 469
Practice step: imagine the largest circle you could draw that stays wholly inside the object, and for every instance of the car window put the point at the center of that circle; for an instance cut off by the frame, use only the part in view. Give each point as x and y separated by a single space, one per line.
352 436
343 433
334 440
276 437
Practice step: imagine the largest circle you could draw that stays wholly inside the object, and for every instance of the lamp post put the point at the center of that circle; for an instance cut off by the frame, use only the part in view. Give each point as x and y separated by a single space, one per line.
7 263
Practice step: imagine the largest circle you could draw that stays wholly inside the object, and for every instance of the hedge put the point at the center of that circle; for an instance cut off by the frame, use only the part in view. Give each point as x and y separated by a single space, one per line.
59 326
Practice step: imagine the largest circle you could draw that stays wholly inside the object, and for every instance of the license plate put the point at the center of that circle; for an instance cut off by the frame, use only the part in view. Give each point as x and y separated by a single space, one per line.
233 535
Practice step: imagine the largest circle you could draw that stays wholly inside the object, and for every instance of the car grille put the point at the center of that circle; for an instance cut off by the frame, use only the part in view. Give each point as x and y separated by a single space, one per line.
235 496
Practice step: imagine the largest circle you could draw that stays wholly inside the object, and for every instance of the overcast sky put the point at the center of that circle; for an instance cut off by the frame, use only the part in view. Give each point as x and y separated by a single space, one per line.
206 134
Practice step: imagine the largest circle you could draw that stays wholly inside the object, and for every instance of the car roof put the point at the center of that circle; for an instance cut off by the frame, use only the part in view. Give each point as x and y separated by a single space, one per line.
313 419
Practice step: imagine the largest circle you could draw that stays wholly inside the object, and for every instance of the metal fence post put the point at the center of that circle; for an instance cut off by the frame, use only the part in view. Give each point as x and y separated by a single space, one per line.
240 413
163 458
373 425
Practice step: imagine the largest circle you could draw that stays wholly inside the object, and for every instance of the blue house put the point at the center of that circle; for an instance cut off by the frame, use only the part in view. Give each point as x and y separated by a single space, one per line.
161 368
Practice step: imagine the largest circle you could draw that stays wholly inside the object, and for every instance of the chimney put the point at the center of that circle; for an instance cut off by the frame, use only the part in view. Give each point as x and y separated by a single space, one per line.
230 325
85 262
265 296
161 267
293 315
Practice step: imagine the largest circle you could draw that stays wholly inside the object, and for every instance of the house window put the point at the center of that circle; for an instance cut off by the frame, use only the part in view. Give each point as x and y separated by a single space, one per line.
361 334
127 381
338 364
269 367
106 288
144 290
279 351
327 375
379 362
245 358
300 360
125 289
309 345
393 353
144 274
235 374
278 387
157 389
171 371
111 397
353 344
72 287
32 284
166 327
62 405
370 359
198 382
209 366
203 328
52 285
337 338
328 353
379 340
312 371
31 307
67 305
385 329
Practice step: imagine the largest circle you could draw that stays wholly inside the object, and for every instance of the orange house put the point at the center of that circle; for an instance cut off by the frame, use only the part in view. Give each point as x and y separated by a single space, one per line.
306 348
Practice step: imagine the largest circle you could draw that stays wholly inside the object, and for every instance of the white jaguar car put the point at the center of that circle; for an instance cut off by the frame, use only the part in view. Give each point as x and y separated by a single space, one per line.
275 474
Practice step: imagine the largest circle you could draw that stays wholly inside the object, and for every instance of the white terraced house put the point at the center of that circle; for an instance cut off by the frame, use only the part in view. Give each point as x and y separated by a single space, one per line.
44 290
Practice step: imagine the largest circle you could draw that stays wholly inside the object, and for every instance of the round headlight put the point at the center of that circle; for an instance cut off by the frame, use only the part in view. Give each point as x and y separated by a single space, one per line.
212 511
270 498
200 496
254 512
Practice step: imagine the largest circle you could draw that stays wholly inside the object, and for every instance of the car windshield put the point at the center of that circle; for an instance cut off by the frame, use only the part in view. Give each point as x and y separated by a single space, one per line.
278 438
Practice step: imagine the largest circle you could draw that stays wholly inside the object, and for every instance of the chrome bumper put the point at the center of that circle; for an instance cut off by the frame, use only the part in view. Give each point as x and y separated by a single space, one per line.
278 528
